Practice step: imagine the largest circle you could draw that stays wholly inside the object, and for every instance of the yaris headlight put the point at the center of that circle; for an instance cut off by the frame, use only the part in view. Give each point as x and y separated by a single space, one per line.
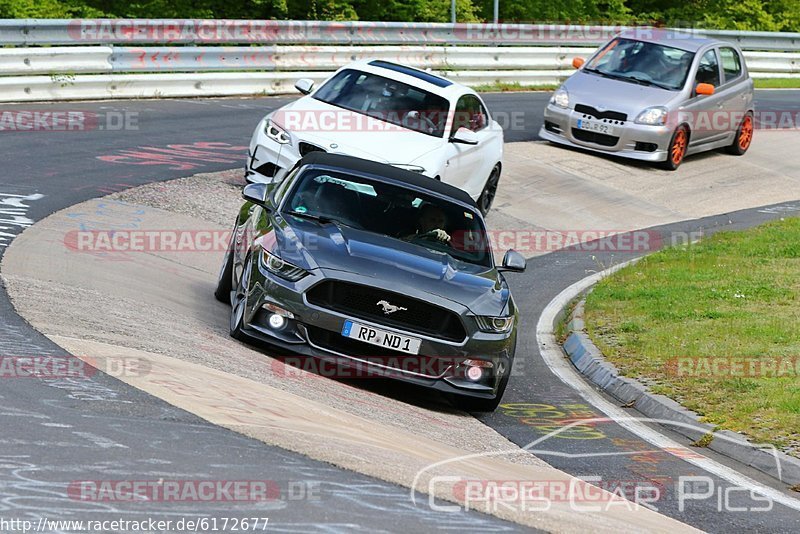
655 116
495 325
277 133
560 98
281 268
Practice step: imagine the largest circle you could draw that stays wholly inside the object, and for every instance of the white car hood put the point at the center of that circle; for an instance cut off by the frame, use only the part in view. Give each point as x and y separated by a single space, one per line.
342 131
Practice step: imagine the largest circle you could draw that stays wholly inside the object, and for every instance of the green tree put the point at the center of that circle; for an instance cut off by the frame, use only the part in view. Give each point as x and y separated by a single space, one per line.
321 10
21 9
414 10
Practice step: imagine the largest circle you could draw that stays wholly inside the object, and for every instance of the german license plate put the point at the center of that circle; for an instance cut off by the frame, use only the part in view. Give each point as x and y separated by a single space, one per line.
595 126
381 338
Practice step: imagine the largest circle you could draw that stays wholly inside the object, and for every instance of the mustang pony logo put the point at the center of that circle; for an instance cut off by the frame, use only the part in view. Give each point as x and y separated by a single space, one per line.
389 308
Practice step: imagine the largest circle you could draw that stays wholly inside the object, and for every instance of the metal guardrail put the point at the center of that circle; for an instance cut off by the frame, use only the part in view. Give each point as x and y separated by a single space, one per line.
120 59
104 60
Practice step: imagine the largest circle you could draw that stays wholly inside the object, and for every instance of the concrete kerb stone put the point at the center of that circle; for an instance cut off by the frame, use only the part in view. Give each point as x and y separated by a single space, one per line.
591 363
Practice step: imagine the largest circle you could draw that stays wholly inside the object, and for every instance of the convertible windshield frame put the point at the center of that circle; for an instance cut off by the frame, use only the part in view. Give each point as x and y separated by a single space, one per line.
391 114
473 248
649 64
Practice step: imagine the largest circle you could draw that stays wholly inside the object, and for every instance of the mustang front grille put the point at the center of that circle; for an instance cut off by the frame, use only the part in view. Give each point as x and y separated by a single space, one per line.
372 304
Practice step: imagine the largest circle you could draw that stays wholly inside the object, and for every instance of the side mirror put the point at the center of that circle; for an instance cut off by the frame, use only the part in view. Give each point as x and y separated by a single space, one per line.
578 62
257 193
705 89
513 261
304 85
464 136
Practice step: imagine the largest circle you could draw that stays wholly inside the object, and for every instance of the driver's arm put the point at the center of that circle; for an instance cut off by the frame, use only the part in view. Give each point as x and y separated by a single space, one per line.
438 234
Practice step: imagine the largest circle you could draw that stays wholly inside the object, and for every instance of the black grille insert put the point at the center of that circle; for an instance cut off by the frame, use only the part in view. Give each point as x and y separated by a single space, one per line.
552 127
594 137
308 148
362 302
611 115
645 147
268 169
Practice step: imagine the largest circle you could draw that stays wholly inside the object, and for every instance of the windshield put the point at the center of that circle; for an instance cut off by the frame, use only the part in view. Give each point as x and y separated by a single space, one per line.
641 62
426 221
387 100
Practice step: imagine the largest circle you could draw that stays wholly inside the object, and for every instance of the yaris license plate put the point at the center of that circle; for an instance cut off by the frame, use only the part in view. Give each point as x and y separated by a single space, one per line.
381 338
594 126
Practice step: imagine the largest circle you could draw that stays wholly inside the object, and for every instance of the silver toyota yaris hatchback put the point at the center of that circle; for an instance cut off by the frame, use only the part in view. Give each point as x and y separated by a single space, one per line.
656 96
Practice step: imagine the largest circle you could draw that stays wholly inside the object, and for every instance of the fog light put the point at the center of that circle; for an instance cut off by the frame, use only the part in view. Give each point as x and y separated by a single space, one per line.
276 321
474 373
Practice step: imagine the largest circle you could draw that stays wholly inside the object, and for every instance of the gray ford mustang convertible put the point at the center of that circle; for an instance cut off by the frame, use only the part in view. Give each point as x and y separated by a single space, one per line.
655 95
368 266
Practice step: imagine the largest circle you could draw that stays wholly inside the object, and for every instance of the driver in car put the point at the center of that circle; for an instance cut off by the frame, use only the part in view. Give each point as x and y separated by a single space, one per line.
432 220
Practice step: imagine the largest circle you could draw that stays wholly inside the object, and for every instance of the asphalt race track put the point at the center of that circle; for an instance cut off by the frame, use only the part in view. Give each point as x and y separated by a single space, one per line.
57 431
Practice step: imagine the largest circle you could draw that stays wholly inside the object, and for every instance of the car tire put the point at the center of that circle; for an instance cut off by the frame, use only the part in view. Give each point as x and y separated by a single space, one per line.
472 404
225 278
489 191
744 136
239 301
677 148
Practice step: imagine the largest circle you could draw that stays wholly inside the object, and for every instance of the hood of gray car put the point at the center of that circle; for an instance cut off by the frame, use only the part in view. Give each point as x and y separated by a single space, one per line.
606 94
392 264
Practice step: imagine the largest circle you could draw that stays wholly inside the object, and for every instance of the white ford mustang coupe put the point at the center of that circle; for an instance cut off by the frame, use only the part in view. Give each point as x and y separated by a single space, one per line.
389 113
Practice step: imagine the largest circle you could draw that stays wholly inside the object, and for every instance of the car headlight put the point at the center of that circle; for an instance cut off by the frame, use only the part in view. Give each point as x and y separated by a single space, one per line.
495 325
276 133
278 267
560 98
655 116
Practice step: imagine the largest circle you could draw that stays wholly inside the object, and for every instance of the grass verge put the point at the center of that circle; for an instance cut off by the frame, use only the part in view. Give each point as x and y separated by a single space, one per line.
715 326
507 87
777 83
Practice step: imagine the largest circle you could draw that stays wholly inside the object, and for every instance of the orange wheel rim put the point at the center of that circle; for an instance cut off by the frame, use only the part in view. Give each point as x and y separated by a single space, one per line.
746 134
679 146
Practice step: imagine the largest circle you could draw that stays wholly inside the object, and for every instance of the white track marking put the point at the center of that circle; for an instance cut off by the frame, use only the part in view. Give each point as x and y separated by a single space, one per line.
563 369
